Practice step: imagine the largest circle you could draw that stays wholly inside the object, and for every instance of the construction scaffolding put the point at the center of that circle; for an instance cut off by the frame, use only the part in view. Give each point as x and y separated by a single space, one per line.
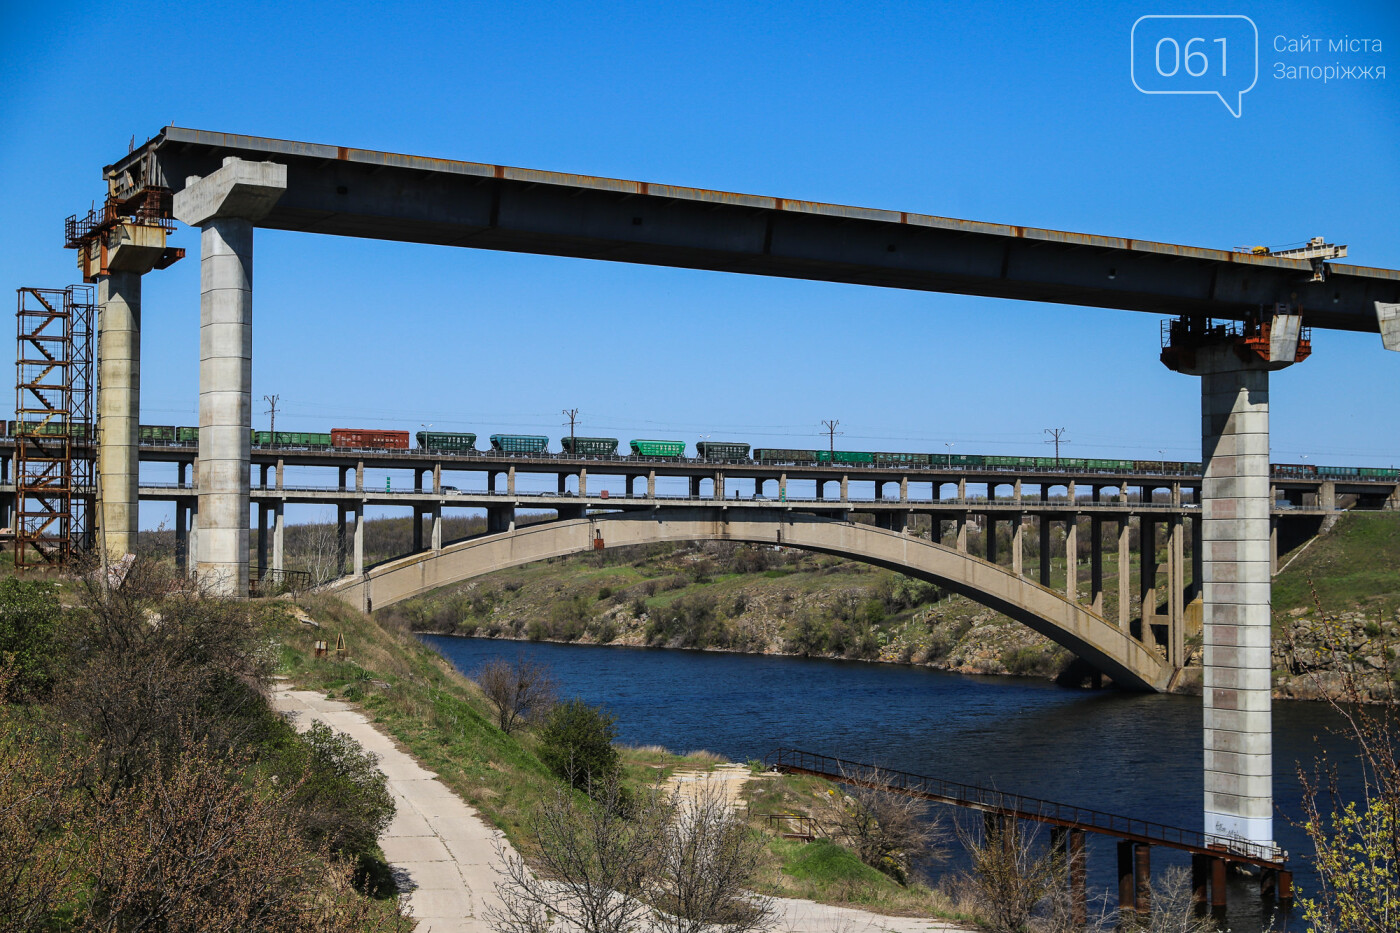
53 430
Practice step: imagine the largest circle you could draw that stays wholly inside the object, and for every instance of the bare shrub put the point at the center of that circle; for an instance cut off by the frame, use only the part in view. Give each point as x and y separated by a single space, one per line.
519 690
153 663
1173 910
707 857
593 862
889 831
1012 879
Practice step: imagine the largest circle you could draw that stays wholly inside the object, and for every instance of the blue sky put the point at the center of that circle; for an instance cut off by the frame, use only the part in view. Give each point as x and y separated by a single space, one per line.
1016 113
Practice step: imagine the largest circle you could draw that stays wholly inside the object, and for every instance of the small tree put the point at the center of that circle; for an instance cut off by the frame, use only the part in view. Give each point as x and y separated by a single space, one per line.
1357 841
889 831
519 690
576 744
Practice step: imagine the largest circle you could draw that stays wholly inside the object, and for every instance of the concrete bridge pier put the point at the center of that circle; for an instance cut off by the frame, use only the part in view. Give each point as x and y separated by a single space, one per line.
1235 510
224 205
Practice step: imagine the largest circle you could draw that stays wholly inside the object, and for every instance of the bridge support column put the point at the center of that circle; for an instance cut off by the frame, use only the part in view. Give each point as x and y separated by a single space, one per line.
360 539
340 541
1176 592
962 532
561 483
651 484
1044 522
1127 896
1072 558
879 490
181 536
279 550
119 409
904 489
1078 878
224 206
281 468
342 477
417 530
962 489
1096 564
437 527
1147 576
262 540
845 488
510 480
1235 511
782 487
1125 556
991 526
1018 536
582 482
1273 545
1142 879
359 476
437 479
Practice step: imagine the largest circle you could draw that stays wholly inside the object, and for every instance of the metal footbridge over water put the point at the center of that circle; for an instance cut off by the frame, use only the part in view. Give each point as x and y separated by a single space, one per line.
228 185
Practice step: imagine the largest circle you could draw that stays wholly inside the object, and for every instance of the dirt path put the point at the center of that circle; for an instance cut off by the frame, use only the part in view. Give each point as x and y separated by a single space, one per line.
441 850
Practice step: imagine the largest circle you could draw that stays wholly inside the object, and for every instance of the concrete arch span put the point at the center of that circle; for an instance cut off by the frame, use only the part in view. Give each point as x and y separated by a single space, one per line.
1102 644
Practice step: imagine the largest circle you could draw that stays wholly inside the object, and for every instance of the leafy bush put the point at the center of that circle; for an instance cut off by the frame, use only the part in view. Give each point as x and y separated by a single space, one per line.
29 614
576 744
341 796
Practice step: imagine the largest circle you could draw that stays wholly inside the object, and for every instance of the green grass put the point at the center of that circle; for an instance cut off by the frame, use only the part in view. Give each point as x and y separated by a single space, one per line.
1355 566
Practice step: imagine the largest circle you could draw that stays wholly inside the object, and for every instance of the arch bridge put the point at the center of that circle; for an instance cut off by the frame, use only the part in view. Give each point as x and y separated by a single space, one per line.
1108 647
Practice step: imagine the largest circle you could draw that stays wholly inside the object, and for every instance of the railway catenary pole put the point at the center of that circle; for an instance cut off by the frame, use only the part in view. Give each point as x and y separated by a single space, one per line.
572 415
831 432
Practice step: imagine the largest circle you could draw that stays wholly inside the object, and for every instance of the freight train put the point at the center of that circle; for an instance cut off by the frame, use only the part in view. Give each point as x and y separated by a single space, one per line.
714 451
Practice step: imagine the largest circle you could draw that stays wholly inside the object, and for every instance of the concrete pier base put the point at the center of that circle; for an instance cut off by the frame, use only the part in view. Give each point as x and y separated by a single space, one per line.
224 205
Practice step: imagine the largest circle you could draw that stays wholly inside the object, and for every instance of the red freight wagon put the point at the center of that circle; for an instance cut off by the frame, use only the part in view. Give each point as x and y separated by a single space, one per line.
369 439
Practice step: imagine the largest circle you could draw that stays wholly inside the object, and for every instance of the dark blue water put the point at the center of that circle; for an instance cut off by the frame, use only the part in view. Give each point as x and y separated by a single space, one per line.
1130 754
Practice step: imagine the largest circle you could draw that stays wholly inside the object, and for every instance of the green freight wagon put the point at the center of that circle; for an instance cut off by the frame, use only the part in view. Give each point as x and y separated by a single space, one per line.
784 455
1024 463
654 448
187 435
961 460
519 443
157 434
914 459
1061 463
589 446
53 428
722 450
290 439
1379 473
845 456
1109 466
446 441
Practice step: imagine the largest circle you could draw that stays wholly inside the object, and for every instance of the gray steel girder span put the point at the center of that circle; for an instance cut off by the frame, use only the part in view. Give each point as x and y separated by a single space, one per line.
363 193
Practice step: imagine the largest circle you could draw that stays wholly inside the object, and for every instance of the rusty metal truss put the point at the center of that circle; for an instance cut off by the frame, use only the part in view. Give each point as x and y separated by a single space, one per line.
53 427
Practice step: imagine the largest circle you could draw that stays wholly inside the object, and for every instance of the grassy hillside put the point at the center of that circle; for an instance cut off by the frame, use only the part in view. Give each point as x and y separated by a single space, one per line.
1355 566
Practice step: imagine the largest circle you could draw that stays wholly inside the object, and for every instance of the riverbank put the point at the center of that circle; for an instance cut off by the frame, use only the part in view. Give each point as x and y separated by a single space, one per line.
426 709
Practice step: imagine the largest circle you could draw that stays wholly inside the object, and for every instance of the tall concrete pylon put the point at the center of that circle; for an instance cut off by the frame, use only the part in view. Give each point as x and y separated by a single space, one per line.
224 205
1237 588
132 251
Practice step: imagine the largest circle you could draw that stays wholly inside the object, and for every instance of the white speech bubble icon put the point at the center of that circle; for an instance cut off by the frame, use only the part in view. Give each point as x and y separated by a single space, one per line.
1196 54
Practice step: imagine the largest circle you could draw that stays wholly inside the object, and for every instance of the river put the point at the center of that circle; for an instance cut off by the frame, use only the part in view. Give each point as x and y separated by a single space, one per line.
1131 754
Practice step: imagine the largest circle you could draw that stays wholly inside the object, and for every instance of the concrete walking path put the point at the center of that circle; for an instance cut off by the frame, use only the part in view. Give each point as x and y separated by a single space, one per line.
441 850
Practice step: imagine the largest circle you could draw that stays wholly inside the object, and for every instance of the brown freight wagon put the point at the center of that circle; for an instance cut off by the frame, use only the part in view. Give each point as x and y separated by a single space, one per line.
369 439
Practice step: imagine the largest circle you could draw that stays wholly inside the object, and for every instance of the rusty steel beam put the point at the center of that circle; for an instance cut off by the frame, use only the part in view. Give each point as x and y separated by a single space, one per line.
364 193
